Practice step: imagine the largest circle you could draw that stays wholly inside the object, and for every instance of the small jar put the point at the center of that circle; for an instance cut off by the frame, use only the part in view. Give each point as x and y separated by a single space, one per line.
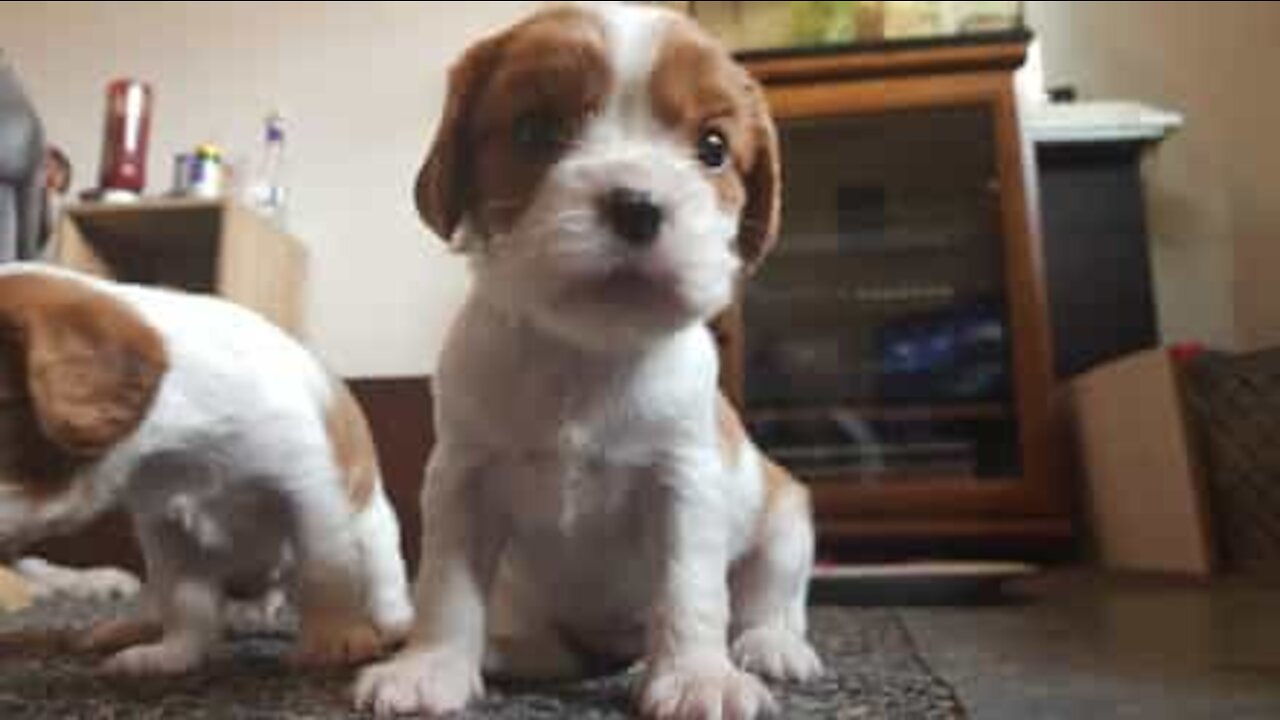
206 172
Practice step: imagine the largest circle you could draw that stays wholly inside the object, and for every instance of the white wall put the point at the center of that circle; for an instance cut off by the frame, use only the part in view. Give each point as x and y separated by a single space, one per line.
362 84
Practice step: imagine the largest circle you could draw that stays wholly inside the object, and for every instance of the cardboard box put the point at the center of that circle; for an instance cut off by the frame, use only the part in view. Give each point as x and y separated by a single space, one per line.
1146 493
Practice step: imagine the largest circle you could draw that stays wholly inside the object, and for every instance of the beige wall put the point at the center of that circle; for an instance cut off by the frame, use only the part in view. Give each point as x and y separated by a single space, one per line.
1214 188
362 84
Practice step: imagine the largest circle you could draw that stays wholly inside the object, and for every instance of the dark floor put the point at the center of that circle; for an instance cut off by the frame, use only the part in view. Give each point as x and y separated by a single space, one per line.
1073 645
1096 648
874 673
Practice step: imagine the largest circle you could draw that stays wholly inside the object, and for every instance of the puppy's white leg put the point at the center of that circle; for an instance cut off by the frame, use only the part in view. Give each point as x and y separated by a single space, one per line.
387 589
690 675
439 671
770 592
180 615
191 616
144 625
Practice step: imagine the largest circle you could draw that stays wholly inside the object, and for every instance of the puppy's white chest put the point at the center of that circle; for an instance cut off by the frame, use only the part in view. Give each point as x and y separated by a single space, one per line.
584 482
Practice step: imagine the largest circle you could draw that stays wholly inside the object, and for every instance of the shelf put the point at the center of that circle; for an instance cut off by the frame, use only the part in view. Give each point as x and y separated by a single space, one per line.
906 413
200 246
997 51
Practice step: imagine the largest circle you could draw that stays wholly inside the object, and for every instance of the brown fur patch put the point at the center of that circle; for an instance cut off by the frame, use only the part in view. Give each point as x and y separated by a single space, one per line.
553 67
78 373
696 86
39 466
779 483
352 444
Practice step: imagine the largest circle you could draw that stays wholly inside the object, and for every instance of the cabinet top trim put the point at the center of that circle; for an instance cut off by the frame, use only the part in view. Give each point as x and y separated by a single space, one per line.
887 62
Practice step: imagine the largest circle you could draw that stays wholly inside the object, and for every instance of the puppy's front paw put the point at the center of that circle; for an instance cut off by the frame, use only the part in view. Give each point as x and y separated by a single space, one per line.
107 584
417 681
97 584
777 654
704 689
336 646
162 658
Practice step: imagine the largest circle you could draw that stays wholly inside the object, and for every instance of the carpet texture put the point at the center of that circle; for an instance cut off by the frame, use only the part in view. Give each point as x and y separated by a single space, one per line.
874 672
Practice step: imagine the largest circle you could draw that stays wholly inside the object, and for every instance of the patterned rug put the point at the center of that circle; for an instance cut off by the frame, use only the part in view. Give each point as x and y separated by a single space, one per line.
874 672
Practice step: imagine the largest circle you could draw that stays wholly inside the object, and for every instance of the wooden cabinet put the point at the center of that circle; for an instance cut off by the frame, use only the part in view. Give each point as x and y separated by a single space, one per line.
204 246
894 351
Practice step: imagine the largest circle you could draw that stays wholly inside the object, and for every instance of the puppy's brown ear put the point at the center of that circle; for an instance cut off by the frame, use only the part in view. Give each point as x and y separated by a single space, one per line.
445 180
13 378
93 366
758 229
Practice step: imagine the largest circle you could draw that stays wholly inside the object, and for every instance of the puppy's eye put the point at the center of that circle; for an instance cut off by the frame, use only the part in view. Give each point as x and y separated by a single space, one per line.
538 132
713 149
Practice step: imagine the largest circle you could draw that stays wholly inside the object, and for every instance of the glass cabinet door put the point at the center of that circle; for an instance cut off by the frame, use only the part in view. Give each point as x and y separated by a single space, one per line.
877 336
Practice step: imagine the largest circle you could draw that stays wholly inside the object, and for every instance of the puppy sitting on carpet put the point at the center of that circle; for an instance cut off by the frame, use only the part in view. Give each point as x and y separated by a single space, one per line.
610 172
243 464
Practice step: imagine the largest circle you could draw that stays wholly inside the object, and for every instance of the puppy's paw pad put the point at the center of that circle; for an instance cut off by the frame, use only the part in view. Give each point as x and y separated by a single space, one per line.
342 646
710 690
153 660
777 654
419 682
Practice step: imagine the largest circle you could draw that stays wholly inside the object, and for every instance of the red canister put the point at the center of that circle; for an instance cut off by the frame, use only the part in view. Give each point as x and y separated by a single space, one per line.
126 133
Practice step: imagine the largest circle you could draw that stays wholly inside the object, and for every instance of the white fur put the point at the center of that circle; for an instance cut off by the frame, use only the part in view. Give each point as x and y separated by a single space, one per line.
231 476
100 583
577 498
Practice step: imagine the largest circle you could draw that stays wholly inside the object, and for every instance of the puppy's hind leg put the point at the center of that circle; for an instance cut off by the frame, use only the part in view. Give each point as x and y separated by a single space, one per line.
769 588
181 615
386 584
331 582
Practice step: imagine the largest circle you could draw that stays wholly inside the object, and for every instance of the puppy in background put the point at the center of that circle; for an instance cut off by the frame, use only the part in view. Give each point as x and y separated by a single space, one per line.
611 174
243 464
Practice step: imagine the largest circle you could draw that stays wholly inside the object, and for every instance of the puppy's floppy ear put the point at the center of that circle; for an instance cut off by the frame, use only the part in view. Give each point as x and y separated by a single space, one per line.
13 378
445 180
93 366
758 228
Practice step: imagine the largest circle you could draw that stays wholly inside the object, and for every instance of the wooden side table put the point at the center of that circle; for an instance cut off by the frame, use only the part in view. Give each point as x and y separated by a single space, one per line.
205 246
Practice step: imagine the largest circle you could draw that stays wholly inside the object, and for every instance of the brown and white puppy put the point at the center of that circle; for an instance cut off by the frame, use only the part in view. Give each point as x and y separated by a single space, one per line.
240 460
610 173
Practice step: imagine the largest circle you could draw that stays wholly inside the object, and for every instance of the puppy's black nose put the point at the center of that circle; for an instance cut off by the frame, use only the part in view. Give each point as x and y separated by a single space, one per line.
633 215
